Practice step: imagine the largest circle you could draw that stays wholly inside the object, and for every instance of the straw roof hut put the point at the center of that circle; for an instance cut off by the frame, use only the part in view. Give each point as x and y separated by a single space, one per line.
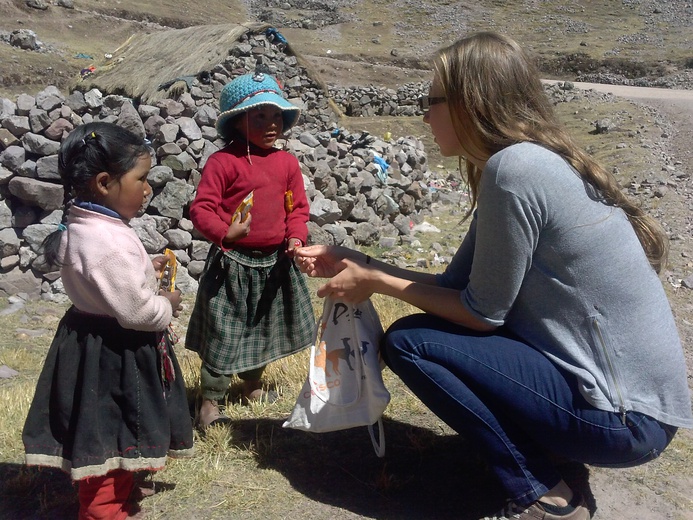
146 61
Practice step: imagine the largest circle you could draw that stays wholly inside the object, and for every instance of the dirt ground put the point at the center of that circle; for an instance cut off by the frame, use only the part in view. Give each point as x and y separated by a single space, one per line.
615 490
652 490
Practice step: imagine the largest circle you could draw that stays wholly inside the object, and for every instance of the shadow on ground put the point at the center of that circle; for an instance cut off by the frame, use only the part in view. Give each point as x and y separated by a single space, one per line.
424 474
36 494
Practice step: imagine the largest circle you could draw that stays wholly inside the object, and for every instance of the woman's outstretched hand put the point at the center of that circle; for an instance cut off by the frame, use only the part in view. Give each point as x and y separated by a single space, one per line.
321 261
349 277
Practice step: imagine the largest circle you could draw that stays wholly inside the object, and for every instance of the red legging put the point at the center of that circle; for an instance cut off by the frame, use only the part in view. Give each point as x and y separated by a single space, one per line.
104 498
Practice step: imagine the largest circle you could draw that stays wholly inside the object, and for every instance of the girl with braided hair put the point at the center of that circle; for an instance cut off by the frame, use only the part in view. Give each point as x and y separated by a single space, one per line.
110 400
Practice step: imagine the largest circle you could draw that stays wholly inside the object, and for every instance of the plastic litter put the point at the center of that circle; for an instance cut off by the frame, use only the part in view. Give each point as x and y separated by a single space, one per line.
276 37
383 166
86 72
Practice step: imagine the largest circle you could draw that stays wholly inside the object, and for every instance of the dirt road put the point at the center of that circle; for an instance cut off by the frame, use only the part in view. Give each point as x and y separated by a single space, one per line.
676 105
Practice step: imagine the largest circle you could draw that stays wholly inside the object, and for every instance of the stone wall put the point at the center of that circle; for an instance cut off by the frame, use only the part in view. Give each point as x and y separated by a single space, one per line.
356 198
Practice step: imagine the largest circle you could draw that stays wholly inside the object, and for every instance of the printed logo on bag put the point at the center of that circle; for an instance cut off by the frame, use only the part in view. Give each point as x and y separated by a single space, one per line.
342 390
333 356
328 357
339 310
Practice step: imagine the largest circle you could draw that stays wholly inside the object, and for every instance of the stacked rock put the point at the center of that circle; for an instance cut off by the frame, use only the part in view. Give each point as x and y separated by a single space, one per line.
361 187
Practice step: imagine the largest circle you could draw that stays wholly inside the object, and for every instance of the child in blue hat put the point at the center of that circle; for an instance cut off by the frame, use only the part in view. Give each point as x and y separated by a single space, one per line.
253 304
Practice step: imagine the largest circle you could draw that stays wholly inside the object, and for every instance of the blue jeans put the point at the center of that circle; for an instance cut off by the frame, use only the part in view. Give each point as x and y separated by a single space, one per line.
515 404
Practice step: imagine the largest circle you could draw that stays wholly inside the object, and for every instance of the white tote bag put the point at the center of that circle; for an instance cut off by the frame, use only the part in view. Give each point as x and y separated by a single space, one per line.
344 388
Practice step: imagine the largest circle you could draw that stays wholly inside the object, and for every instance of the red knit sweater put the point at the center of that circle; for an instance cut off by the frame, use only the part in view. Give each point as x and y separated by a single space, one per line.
228 177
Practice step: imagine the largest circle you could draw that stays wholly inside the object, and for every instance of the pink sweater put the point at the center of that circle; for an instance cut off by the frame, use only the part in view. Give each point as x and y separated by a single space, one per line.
107 271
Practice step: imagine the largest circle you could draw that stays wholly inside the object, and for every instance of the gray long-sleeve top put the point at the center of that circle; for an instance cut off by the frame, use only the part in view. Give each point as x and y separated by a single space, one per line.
567 274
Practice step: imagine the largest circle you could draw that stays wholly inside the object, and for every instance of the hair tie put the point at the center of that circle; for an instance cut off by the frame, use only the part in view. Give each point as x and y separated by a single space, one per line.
87 138
62 227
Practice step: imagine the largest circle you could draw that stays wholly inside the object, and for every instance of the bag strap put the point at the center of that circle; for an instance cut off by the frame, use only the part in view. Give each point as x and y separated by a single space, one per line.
358 357
379 443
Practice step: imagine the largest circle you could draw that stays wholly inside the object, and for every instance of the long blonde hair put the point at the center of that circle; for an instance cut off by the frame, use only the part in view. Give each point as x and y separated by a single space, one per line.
496 99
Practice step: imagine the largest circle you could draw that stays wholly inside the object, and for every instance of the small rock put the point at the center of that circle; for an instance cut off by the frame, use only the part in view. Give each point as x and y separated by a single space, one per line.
7 372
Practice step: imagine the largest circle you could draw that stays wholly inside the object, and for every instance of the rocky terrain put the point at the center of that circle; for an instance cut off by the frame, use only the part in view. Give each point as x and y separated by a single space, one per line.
362 189
355 200
378 203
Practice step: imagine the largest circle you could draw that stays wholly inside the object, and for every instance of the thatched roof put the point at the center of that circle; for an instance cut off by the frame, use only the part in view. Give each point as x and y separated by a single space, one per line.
146 61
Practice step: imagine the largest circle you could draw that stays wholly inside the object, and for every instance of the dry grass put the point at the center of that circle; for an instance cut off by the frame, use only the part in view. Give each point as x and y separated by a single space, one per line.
255 468
159 54
227 471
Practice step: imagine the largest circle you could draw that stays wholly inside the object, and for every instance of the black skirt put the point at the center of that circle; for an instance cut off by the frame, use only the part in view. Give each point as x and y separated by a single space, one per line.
101 402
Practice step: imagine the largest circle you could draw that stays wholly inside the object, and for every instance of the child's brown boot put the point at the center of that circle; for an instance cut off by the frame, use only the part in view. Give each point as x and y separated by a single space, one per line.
254 392
210 414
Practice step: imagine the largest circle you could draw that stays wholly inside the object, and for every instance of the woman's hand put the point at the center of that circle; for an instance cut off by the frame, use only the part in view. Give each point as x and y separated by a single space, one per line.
354 283
354 280
322 261
238 229
175 299
350 279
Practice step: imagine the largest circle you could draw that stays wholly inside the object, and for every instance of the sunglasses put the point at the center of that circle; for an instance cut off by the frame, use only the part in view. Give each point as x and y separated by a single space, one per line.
426 102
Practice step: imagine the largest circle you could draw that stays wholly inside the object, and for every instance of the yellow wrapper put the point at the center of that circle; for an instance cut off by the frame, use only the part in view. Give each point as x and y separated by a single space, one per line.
289 201
243 208
167 282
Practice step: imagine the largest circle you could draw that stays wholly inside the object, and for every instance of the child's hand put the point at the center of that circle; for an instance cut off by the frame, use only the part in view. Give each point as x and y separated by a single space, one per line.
238 229
176 300
292 245
159 262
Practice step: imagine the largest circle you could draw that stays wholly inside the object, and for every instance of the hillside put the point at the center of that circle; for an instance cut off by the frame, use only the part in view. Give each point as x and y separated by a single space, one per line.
367 41
387 43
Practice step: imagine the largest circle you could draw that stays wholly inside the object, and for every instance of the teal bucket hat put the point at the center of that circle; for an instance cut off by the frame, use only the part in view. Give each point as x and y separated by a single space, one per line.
249 91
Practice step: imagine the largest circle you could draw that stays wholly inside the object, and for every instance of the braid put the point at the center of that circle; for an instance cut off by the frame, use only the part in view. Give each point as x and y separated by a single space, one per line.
51 244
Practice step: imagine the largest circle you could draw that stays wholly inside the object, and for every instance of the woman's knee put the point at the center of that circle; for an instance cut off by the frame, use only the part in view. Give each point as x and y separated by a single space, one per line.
397 339
404 337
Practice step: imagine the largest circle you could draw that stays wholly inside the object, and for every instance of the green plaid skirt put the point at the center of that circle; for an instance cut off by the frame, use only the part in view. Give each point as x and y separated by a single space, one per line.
249 311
